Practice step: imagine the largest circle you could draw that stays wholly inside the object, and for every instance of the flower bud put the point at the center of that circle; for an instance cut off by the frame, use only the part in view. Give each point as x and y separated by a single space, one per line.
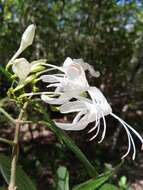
26 40
37 68
28 36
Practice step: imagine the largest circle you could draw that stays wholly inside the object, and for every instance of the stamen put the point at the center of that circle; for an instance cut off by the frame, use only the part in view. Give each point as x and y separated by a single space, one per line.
54 66
130 138
47 70
104 128
78 116
53 85
40 93
134 147
96 121
129 147
97 132
93 128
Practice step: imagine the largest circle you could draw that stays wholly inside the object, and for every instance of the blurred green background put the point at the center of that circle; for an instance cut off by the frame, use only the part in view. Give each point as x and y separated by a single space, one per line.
107 34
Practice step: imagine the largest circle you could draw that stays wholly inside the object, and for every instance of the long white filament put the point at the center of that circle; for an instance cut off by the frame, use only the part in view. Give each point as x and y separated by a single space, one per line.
130 138
97 132
104 129
78 116
93 128
41 93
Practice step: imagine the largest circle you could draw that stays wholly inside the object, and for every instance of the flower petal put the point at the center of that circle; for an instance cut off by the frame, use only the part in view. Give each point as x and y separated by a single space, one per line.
49 78
82 124
75 106
54 101
67 62
99 99
21 67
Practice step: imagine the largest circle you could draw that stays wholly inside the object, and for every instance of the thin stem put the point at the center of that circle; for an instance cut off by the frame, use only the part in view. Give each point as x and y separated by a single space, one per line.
7 115
15 151
14 121
3 140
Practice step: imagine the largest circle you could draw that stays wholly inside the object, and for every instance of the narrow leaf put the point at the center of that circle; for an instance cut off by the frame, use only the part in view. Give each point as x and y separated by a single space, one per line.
63 178
68 141
72 146
108 186
23 182
92 184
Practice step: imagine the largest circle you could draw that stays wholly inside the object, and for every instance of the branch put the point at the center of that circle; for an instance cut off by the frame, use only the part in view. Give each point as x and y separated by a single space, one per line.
7 115
12 184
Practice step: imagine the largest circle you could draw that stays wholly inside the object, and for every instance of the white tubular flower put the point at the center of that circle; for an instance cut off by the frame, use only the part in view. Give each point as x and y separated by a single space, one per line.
71 83
21 67
92 111
26 40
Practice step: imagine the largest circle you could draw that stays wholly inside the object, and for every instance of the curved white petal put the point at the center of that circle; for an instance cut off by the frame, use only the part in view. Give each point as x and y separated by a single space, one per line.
49 78
21 67
78 116
82 124
75 106
52 78
97 97
67 62
88 67
53 101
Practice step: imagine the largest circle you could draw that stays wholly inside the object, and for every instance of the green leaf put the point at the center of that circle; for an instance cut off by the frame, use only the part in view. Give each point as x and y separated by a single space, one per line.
108 186
5 73
92 184
63 178
68 141
23 182
72 146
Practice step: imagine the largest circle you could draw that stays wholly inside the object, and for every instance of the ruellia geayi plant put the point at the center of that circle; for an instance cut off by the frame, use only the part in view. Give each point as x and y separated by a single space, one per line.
67 88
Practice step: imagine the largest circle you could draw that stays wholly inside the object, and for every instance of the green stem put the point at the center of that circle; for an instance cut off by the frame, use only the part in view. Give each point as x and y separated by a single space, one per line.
12 184
7 115
3 140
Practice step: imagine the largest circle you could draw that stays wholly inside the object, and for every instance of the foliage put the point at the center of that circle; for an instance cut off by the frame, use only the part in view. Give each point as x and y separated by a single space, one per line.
22 180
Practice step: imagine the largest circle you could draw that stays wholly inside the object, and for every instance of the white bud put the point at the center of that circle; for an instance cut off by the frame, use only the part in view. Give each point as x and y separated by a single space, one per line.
28 36
26 40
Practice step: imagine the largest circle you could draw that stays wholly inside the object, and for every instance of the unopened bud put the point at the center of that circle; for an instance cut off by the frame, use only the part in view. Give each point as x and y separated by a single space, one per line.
28 36
37 68
26 40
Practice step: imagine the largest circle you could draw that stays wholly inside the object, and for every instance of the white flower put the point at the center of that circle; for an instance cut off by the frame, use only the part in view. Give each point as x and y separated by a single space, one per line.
22 68
26 40
70 83
94 110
